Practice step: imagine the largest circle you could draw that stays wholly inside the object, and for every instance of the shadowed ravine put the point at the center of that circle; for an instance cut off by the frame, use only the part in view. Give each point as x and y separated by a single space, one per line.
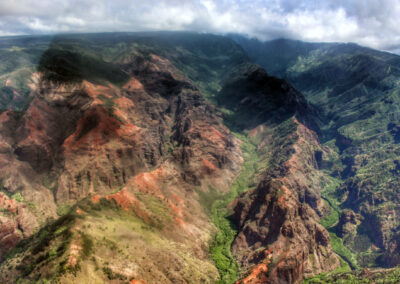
331 221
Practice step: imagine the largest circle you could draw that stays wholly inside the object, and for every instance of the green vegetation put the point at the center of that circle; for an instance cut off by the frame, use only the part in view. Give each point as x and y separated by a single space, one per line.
251 97
331 220
111 275
109 105
204 59
221 247
87 245
259 103
356 91
343 251
378 276
61 65
18 197
108 102
254 163
284 135
160 213
19 57
343 268
102 237
328 194
63 209
49 245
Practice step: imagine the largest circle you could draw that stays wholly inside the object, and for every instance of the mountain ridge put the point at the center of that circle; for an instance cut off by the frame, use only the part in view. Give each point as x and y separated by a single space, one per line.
123 141
355 90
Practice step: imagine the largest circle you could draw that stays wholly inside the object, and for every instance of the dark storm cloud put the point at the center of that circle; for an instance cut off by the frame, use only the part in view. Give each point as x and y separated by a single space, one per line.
375 23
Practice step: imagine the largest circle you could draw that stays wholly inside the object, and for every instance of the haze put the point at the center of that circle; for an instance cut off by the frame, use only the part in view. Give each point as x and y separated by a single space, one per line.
371 23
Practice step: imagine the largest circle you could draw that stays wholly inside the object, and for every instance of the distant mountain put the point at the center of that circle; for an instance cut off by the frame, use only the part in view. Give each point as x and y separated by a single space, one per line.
356 91
276 55
19 57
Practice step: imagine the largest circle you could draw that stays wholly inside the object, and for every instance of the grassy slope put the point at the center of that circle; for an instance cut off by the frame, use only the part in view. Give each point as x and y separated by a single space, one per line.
347 257
357 90
359 106
378 276
331 220
220 248
113 245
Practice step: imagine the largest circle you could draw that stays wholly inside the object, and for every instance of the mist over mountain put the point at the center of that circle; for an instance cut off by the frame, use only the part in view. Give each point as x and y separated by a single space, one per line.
372 23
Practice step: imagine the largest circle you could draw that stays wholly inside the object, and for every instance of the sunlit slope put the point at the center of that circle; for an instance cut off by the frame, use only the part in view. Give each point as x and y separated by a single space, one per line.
357 93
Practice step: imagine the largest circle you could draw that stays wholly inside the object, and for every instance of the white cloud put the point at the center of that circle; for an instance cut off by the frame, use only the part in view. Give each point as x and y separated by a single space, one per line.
375 23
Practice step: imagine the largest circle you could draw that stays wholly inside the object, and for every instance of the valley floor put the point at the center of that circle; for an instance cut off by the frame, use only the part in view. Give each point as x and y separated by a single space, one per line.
221 246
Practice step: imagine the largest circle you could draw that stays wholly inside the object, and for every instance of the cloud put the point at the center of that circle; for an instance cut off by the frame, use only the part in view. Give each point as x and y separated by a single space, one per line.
373 23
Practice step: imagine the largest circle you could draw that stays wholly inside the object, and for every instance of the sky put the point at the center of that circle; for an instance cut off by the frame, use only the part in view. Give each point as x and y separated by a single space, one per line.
373 23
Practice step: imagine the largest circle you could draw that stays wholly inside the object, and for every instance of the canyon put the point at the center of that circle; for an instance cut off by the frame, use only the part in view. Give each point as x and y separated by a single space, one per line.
174 157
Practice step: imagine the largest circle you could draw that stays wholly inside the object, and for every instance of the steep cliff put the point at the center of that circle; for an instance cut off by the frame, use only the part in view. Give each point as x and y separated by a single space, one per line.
355 90
279 238
133 131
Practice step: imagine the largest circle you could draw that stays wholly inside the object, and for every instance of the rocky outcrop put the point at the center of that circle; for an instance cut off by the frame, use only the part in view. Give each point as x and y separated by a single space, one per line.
16 223
280 239
152 144
348 223
279 220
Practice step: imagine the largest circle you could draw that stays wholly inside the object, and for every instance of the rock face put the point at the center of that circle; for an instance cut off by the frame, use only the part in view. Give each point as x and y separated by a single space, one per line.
16 223
279 233
147 140
355 90
348 223
279 220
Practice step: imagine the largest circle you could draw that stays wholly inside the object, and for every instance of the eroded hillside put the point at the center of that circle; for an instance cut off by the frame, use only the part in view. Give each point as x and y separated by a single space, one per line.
356 93
161 158
134 132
